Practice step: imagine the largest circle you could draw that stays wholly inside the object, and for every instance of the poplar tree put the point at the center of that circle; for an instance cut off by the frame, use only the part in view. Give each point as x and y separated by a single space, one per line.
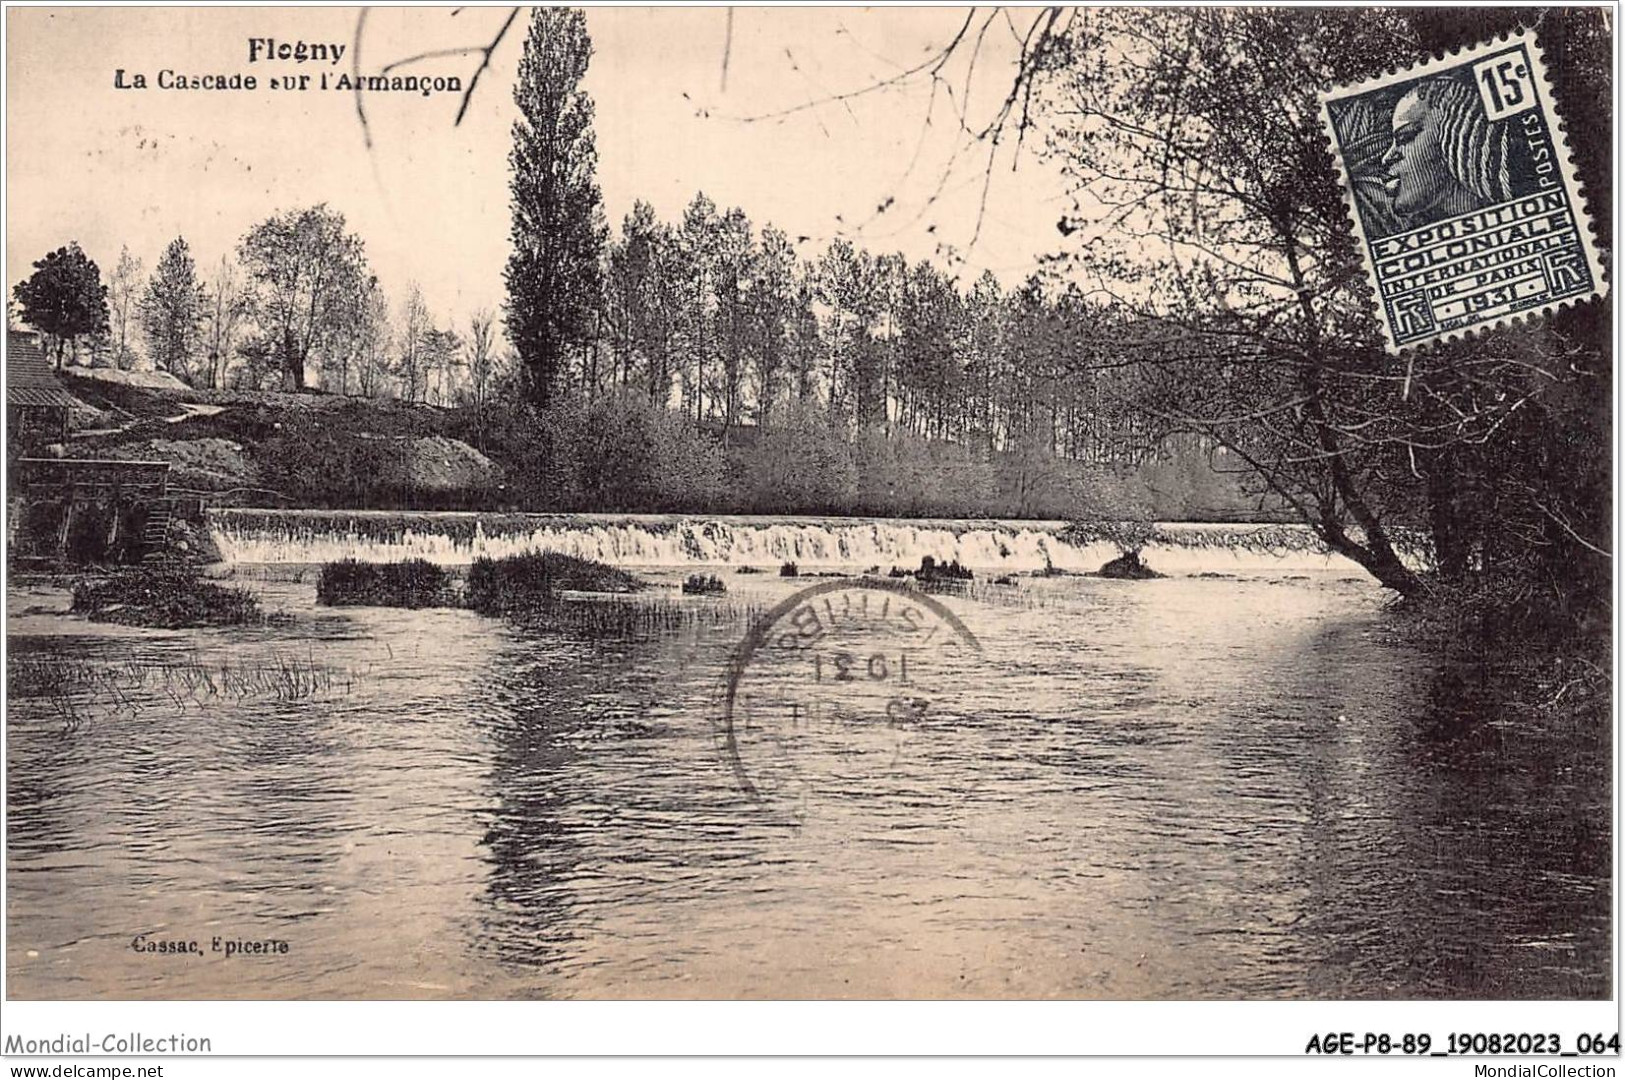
173 310
553 276
125 296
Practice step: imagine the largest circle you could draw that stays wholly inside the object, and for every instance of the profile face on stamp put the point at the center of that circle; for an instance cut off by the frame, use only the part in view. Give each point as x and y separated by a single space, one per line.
1445 159
1464 201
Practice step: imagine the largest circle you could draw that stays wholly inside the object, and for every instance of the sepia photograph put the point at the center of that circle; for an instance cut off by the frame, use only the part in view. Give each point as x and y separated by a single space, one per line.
795 504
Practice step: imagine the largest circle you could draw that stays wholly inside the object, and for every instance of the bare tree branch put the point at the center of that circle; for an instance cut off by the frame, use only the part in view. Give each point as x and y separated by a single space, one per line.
486 51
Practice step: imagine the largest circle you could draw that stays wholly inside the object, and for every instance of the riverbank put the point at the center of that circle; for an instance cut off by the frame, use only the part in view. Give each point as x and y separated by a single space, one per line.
315 450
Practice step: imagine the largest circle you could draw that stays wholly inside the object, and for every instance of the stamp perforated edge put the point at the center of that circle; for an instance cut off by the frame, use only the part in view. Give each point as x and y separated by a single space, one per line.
1455 58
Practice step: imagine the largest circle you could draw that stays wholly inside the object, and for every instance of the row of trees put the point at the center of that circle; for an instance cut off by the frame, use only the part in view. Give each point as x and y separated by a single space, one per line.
1229 298
297 305
734 326
708 315
66 300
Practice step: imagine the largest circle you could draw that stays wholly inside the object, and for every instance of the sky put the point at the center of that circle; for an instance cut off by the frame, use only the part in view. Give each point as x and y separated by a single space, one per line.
686 99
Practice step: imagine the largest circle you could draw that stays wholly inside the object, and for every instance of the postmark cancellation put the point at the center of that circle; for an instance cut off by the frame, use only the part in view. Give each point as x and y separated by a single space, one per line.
829 686
1465 203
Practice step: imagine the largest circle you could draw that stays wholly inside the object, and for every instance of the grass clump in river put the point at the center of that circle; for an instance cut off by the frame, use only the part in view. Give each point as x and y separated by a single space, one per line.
76 689
167 597
932 572
704 585
531 582
413 583
622 619
531 590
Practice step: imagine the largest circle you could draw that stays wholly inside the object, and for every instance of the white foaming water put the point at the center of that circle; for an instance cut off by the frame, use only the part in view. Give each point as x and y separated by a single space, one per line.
450 539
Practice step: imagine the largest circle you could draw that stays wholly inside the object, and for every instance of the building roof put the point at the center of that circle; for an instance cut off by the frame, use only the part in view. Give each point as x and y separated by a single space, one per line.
29 379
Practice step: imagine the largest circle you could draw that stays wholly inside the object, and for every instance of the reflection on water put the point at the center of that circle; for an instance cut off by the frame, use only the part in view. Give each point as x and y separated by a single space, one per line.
1188 788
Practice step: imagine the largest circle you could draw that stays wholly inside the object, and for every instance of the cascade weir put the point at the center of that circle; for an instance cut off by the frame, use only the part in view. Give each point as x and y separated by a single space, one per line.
318 536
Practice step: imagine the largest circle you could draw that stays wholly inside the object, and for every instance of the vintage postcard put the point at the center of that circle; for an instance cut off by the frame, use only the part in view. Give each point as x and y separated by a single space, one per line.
760 504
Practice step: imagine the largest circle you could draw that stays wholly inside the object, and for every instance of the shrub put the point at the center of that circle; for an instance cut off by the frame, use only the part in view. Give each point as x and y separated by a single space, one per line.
704 585
789 569
414 583
532 581
801 463
315 462
170 597
1128 567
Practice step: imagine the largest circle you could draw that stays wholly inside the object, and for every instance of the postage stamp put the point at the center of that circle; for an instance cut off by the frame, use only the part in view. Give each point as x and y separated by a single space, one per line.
831 683
1463 195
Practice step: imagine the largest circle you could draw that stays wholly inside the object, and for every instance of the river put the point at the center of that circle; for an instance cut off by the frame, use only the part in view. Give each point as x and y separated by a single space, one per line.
1237 781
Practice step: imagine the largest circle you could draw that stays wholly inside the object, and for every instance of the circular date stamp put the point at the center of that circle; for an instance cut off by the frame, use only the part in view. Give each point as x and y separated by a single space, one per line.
829 685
